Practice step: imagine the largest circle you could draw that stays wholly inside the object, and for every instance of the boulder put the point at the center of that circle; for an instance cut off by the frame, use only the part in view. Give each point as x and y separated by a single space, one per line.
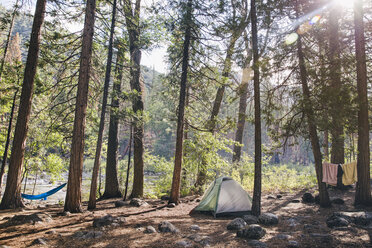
358 218
256 244
236 224
120 204
195 227
30 219
293 244
183 243
282 236
336 221
138 202
87 234
166 226
171 205
108 220
250 219
251 232
150 229
308 198
268 219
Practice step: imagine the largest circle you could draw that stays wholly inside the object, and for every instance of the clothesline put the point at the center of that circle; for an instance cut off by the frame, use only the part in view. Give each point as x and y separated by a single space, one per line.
347 171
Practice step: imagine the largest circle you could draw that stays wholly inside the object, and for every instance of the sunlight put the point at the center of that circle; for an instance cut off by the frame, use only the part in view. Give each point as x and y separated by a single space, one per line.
344 3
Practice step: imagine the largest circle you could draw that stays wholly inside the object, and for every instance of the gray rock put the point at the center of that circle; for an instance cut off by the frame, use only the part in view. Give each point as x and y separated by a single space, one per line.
250 219
115 224
183 243
293 244
205 241
66 213
166 226
171 205
51 232
150 229
268 219
39 241
337 221
282 236
251 232
195 227
257 244
236 224
195 237
270 197
30 219
292 222
78 234
359 218
104 221
92 234
138 202
120 204
308 198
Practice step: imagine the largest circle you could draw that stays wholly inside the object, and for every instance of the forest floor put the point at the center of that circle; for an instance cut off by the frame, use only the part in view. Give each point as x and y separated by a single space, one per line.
300 222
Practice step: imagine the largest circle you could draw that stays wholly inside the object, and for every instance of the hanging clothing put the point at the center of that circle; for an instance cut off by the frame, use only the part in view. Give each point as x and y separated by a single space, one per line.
350 173
330 173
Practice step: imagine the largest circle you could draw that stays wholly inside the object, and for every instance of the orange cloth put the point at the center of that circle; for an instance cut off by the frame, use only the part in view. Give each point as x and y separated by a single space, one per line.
330 173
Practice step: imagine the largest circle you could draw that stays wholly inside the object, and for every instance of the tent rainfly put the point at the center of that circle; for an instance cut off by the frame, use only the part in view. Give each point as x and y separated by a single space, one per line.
225 196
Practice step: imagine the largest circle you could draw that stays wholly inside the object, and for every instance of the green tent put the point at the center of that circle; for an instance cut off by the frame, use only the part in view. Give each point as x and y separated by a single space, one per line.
225 196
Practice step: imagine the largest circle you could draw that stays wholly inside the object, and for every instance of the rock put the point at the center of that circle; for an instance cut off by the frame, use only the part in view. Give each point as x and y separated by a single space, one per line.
39 241
165 198
205 241
317 199
104 221
270 197
30 219
51 232
92 234
282 236
292 222
358 218
279 196
268 219
138 202
78 234
251 232
337 221
195 237
171 205
197 200
236 224
183 243
166 226
257 244
295 201
308 198
293 244
120 204
150 229
66 213
115 224
195 227
309 227
338 201
250 219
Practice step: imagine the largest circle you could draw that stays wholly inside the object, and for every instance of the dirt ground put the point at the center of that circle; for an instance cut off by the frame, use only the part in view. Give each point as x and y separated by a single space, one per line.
310 220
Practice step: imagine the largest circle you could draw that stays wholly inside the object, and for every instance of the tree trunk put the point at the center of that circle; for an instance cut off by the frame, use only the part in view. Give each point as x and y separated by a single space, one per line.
243 93
12 194
256 202
129 157
363 187
323 193
73 195
112 184
9 132
336 104
132 20
176 182
97 159
325 145
8 39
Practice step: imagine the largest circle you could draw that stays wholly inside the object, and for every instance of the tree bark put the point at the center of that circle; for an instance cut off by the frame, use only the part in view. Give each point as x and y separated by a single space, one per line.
73 195
363 187
336 104
309 112
97 159
9 132
12 194
128 167
256 202
112 184
176 181
132 20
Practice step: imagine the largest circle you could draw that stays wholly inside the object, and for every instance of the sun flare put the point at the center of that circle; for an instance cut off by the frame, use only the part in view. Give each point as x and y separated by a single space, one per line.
345 3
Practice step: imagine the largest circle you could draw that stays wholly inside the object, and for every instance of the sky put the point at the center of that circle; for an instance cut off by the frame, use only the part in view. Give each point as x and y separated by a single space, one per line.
154 58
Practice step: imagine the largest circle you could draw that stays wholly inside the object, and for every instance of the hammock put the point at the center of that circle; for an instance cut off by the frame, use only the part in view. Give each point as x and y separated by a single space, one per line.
43 195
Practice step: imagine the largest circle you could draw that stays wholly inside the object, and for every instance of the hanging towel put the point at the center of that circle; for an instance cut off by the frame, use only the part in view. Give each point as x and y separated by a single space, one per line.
330 173
350 173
